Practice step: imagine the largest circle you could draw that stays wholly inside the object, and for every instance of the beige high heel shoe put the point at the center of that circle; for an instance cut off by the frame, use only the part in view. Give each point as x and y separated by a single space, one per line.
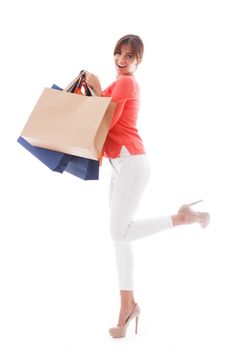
120 332
195 216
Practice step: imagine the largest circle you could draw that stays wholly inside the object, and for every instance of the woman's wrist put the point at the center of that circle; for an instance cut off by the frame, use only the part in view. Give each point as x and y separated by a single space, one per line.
98 90
94 83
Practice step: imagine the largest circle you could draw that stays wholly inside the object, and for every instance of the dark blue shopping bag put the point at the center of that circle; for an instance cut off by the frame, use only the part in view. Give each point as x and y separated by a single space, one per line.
56 161
86 169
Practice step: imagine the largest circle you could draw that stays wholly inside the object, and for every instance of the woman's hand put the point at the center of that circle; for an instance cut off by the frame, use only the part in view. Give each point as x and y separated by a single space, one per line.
94 83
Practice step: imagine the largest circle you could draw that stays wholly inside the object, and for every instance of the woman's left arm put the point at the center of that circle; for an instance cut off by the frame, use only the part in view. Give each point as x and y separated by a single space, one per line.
123 91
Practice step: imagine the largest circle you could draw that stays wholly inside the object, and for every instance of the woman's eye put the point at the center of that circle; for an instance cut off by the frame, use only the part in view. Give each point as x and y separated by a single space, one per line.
130 56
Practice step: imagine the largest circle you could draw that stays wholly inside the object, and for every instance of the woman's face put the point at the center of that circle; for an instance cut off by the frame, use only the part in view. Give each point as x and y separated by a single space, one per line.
125 61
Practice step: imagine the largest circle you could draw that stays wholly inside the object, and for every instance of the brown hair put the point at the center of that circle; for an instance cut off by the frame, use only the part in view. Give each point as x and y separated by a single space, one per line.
134 41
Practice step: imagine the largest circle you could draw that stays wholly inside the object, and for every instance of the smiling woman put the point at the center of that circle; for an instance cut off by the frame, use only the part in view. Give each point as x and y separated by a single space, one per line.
125 61
128 54
130 174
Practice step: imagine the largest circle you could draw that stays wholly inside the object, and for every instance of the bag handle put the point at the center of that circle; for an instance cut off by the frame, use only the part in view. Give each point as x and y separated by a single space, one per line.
75 82
81 87
76 86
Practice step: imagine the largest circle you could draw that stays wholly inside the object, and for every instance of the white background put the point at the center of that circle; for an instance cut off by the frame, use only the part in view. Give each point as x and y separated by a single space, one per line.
58 279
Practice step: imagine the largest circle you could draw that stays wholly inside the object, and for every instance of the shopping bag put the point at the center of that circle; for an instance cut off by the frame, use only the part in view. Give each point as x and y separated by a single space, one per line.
56 161
86 169
70 123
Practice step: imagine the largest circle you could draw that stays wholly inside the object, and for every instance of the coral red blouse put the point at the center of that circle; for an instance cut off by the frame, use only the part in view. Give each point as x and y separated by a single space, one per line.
123 131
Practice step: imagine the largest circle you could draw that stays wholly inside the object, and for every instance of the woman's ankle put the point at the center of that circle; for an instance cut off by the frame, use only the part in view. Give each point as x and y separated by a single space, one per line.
179 219
127 299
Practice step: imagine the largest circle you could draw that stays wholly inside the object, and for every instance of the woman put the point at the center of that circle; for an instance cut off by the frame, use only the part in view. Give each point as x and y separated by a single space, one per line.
130 174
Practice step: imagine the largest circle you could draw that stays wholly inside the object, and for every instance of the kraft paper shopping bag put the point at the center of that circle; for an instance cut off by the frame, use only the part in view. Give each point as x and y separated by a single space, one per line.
70 123
86 169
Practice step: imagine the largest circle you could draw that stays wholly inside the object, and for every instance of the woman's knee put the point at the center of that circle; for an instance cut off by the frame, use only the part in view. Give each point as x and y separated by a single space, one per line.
118 231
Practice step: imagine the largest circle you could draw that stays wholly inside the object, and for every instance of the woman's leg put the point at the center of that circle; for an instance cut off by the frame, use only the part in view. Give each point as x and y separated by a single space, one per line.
129 178
123 251
124 263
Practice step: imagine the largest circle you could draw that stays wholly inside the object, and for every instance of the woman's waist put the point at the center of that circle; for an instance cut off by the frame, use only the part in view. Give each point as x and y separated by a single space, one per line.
124 152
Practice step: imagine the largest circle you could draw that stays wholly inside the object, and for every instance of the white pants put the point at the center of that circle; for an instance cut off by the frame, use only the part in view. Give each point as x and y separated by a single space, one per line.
130 175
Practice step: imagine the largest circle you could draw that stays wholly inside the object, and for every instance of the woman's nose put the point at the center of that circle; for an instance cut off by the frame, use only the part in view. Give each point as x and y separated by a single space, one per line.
121 60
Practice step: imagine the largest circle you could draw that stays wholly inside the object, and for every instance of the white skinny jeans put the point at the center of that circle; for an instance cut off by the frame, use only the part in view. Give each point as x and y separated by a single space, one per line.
130 175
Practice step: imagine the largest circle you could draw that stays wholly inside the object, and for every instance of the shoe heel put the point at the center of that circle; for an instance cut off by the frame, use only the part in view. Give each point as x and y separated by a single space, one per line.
191 204
136 325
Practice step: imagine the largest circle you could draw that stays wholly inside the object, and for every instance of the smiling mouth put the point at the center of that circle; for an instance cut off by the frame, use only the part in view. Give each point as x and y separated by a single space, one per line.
121 67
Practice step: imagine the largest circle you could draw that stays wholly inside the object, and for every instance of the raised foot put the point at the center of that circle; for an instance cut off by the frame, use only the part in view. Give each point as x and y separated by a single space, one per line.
202 218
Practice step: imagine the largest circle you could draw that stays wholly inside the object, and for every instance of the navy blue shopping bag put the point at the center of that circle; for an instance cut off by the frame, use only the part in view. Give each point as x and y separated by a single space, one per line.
86 169
56 161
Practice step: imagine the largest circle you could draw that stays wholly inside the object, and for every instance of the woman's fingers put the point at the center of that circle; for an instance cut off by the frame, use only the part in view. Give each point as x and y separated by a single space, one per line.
94 83
91 79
